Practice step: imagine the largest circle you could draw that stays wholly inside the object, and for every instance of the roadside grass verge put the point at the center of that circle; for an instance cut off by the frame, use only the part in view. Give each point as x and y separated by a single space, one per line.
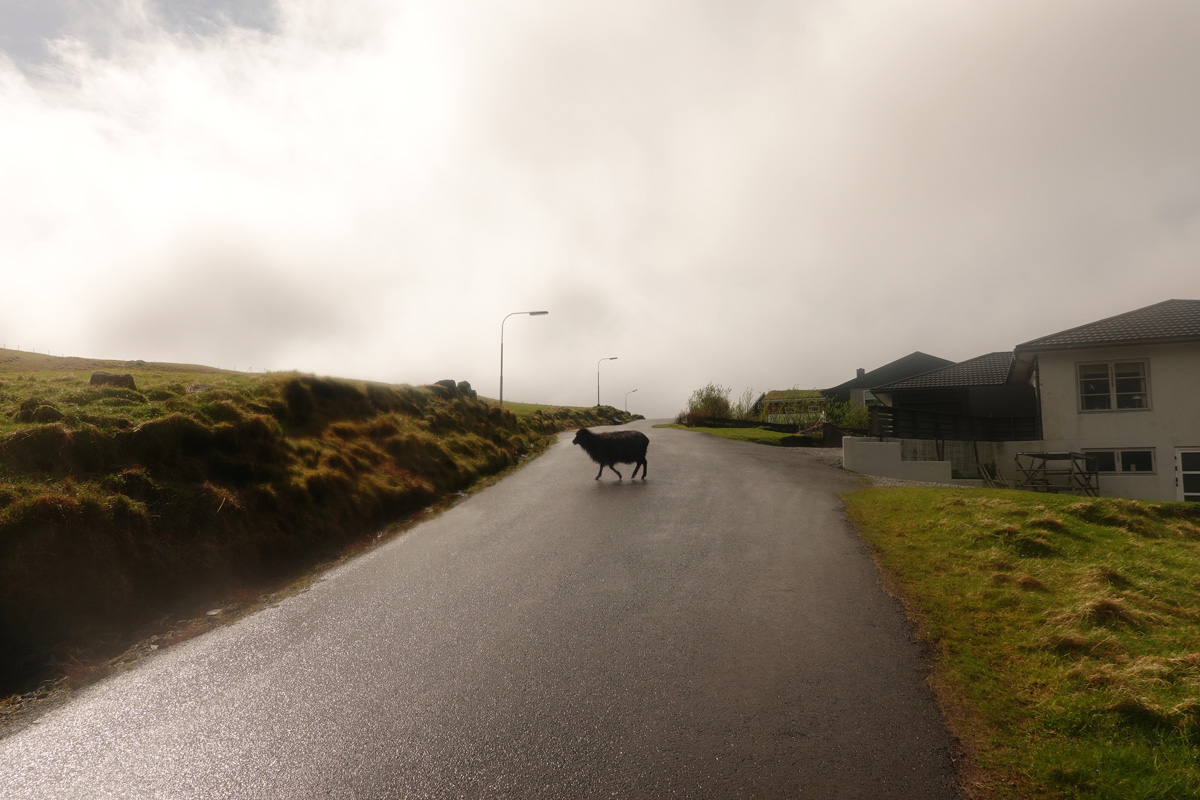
522 410
123 508
756 435
1066 632
557 418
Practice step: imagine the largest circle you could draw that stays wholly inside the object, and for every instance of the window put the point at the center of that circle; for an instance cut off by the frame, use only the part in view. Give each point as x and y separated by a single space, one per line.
1130 385
1130 461
1187 465
1137 461
1121 385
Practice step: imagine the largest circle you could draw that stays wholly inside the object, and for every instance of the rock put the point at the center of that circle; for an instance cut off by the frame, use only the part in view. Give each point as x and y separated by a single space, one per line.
109 379
464 388
47 414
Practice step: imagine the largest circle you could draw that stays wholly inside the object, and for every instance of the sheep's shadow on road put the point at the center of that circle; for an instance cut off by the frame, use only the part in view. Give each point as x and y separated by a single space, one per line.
612 486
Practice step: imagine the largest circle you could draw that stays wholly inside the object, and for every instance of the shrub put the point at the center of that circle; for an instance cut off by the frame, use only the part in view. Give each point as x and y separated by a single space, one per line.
845 415
744 407
710 402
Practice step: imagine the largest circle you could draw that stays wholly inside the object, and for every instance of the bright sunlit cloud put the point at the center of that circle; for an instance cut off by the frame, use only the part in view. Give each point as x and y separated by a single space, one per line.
764 194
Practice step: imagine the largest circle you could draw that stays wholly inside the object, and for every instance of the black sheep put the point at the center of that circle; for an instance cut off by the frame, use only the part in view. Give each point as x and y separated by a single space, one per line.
617 447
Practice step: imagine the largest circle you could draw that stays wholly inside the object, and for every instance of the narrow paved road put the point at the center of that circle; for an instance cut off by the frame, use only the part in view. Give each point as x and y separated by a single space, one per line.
717 631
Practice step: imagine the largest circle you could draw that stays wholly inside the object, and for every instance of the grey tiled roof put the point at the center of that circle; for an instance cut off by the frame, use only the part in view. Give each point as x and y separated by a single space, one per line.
901 368
1168 321
986 370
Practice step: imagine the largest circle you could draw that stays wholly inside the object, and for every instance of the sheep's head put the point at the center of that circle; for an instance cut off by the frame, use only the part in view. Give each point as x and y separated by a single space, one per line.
580 435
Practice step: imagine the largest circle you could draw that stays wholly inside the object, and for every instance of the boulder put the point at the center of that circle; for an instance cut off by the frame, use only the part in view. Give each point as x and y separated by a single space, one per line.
45 414
109 379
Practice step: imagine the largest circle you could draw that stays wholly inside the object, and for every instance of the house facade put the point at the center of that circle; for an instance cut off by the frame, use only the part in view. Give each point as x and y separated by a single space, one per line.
1123 391
1126 392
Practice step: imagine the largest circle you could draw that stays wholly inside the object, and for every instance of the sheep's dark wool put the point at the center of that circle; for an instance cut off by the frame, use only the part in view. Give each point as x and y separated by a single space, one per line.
617 447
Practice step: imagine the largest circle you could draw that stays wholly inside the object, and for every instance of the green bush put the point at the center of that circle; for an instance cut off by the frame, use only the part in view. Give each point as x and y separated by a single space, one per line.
845 415
710 402
744 407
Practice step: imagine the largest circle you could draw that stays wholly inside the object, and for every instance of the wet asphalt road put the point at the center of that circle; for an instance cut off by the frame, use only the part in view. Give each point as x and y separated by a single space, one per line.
716 631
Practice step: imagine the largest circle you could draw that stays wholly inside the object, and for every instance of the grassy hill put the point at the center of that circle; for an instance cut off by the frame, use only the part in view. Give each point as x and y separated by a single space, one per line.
121 507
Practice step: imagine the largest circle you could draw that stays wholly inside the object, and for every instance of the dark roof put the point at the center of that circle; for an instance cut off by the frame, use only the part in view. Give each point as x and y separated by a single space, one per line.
1161 323
987 370
906 367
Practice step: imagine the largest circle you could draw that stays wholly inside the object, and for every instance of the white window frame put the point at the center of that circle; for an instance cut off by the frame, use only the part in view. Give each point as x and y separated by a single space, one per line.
1117 452
1111 378
1181 475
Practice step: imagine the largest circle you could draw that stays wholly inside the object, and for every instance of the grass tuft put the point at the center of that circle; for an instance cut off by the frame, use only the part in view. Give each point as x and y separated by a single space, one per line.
1031 584
1107 612
1104 575
1140 712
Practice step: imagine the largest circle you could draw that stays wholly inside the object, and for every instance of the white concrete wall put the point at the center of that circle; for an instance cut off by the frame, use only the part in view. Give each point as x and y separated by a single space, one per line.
961 455
1171 422
1004 456
883 459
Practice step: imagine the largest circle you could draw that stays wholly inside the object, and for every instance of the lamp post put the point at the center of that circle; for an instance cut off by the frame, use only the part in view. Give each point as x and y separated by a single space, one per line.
614 358
631 391
515 313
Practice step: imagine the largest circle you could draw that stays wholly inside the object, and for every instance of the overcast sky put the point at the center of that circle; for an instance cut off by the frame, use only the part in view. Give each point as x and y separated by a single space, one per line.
762 194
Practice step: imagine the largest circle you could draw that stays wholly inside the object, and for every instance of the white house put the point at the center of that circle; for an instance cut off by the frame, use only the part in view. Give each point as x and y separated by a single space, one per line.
1126 391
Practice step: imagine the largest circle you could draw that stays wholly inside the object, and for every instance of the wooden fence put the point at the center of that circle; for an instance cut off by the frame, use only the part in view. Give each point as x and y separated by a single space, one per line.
905 423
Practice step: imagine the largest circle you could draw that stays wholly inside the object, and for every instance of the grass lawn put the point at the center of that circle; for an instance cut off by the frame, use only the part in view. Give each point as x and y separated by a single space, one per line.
1067 633
755 435
525 410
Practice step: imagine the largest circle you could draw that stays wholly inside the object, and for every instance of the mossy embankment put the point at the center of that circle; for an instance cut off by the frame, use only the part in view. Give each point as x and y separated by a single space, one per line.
121 507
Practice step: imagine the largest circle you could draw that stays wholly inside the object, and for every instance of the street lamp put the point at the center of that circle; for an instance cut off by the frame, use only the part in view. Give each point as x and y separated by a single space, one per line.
530 313
631 391
614 358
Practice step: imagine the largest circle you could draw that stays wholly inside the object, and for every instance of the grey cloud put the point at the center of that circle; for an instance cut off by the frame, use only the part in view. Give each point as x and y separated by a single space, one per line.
32 31
208 17
25 25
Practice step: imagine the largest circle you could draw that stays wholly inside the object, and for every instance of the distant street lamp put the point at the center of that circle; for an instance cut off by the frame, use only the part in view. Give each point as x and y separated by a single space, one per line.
631 391
530 313
614 358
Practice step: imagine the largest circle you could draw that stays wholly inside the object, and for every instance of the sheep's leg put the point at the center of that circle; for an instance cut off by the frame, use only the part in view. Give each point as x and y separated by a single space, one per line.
642 465
601 472
620 477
